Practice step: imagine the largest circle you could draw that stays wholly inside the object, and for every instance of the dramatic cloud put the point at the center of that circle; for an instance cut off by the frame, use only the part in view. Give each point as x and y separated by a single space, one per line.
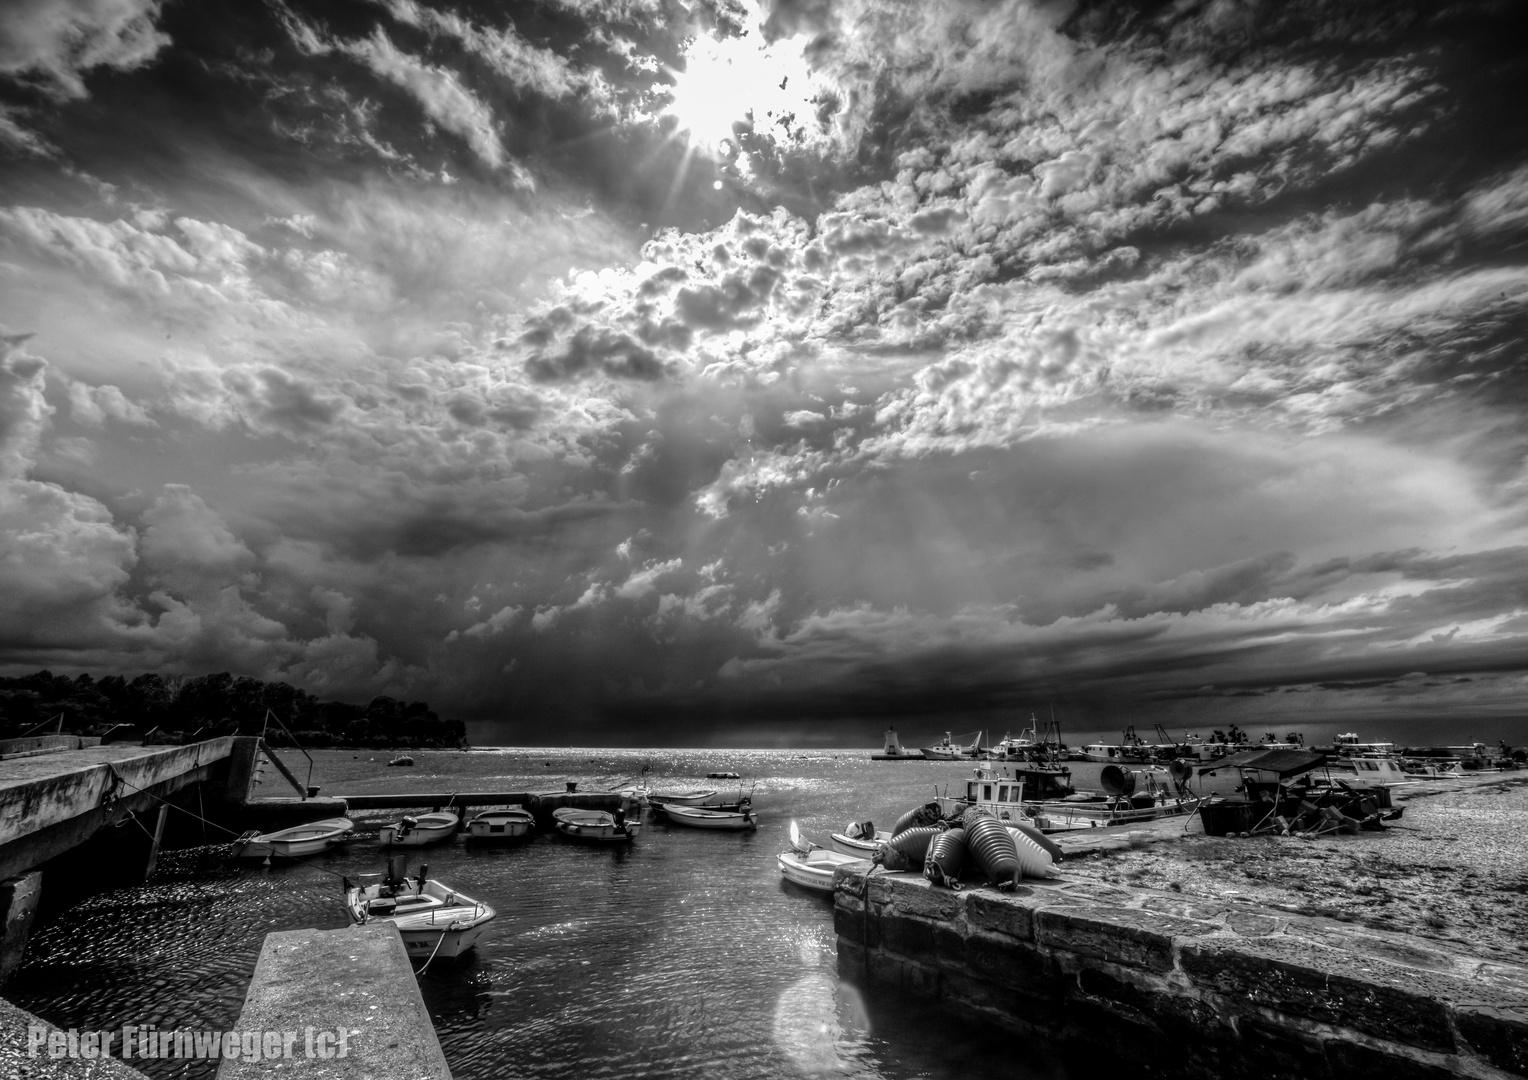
622 367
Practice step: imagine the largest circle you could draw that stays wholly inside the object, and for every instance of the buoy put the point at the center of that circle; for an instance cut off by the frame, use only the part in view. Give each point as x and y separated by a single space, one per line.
1057 855
1034 860
926 814
993 848
946 857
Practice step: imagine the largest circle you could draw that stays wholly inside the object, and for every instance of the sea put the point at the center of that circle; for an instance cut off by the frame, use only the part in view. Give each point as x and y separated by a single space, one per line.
683 954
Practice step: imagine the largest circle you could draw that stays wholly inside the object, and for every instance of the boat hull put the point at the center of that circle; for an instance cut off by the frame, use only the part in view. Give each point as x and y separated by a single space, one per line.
434 828
298 841
857 847
697 818
435 921
494 829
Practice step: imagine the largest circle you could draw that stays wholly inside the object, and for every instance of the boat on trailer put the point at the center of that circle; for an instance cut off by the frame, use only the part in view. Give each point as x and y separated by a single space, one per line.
810 866
410 831
432 918
698 817
502 825
297 841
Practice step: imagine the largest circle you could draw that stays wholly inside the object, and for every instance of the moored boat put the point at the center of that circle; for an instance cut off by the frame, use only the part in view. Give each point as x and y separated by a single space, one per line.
410 831
950 750
810 866
709 798
509 824
860 839
432 918
698 817
596 826
297 841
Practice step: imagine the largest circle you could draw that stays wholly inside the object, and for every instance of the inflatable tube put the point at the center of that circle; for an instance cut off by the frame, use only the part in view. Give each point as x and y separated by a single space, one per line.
1034 860
913 843
946 857
992 848
1040 838
926 814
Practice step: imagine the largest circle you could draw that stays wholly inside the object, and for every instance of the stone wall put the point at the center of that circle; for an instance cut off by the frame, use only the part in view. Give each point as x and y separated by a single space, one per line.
1186 987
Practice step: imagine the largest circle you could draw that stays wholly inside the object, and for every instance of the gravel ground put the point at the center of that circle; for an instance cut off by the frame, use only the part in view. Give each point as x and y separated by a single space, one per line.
1454 869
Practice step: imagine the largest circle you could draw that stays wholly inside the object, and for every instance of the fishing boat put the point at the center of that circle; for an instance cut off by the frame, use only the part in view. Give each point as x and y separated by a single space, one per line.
811 866
1130 796
418 831
297 841
701 818
949 750
893 750
596 826
432 918
510 824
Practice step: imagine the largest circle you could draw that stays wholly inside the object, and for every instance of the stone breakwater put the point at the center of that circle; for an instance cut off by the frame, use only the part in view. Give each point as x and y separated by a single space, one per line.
1201 989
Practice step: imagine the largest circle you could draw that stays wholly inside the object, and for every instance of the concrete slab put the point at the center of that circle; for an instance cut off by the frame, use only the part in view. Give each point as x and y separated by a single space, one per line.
357 981
17 1026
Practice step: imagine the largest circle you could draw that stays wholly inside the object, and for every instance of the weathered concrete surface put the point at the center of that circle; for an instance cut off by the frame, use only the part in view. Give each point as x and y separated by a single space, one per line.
54 802
1212 988
18 903
45 744
15 1061
358 979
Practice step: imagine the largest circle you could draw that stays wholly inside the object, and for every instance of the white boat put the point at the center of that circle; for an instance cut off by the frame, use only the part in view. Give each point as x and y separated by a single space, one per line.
508 824
417 831
811 866
432 918
949 750
596 826
299 840
893 750
855 840
711 798
701 818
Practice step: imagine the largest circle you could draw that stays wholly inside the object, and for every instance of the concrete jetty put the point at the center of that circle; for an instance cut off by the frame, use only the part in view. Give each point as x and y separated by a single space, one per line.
1215 988
355 988
17 1031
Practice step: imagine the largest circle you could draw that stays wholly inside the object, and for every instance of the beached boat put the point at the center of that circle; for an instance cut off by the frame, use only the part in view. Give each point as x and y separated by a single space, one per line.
893 750
297 841
596 826
402 759
701 818
1130 796
811 866
432 918
409 831
511 824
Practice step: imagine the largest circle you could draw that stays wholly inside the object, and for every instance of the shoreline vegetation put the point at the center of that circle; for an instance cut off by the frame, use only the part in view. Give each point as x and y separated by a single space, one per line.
179 708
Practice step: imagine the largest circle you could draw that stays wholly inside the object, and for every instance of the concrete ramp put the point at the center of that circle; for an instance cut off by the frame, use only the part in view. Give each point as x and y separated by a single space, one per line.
341 1004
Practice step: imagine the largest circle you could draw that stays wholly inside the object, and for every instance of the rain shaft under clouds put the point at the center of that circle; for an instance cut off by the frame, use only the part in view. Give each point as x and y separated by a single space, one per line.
635 370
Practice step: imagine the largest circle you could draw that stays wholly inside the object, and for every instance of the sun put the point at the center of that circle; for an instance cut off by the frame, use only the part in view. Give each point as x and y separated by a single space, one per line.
730 81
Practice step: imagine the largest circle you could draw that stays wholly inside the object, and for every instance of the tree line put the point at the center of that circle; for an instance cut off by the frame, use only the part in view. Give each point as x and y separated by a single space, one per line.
203 706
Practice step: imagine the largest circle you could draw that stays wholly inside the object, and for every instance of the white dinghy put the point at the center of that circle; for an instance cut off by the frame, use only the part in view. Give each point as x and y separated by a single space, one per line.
432 918
811 866
502 825
418 831
700 818
595 826
297 841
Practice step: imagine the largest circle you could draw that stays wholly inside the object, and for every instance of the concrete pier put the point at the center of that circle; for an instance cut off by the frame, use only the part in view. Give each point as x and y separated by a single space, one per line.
357 981
1207 989
17 1028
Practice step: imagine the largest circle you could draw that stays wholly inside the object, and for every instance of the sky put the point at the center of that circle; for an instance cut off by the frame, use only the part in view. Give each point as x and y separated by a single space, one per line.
649 371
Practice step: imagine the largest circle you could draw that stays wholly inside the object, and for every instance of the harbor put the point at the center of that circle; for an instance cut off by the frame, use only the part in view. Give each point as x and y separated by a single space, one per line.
646 905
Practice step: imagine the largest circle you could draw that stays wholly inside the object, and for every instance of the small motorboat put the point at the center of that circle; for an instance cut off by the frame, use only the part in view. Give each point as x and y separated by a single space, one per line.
595 826
722 776
299 840
510 824
401 759
811 866
860 839
432 918
703 818
418 831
